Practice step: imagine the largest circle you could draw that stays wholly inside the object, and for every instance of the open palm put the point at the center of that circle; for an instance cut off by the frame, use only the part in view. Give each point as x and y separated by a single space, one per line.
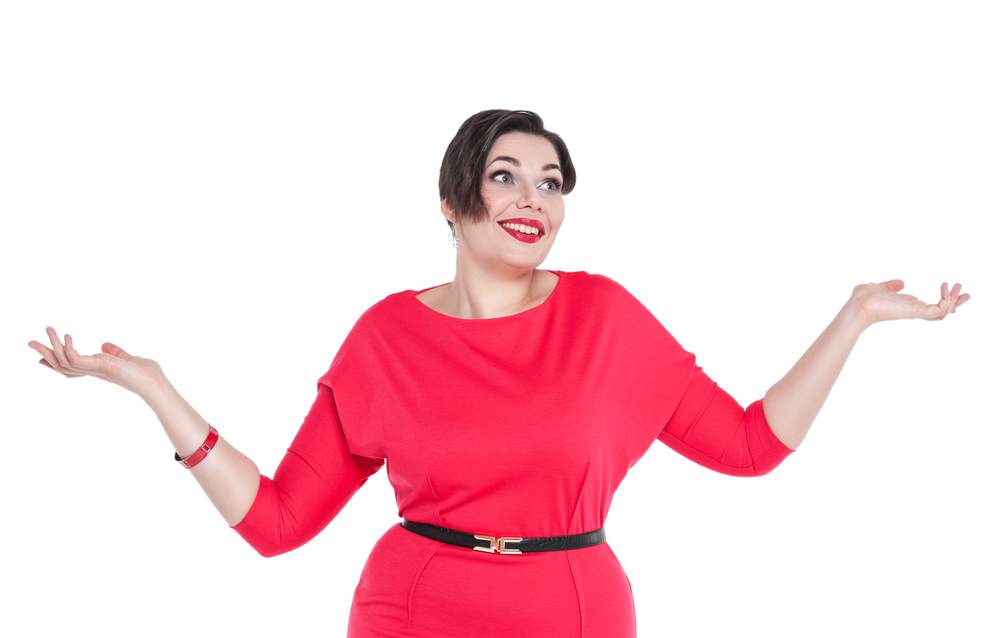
883 302
112 364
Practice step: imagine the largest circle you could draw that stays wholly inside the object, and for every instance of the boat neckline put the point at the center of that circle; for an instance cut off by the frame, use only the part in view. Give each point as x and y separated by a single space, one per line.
553 294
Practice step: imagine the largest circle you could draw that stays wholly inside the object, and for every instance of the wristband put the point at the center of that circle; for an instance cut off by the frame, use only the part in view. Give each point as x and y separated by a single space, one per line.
195 457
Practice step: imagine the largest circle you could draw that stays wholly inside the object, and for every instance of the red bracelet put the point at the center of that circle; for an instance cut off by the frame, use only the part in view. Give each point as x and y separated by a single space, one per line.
195 457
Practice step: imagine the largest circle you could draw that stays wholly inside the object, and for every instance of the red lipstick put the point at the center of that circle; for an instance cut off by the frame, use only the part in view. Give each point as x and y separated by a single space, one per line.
518 235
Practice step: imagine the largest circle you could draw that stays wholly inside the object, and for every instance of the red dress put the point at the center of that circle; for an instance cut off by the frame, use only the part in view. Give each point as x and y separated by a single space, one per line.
522 425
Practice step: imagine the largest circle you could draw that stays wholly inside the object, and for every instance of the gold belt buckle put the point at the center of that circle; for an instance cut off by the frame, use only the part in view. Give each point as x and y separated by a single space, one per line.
498 545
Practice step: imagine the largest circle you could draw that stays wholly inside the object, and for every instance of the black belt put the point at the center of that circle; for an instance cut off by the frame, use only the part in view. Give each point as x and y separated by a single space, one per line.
498 544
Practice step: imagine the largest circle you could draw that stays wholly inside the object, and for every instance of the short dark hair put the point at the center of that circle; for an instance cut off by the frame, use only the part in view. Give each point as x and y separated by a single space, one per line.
463 163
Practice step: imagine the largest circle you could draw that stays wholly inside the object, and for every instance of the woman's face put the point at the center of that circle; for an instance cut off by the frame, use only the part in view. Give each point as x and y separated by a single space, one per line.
522 182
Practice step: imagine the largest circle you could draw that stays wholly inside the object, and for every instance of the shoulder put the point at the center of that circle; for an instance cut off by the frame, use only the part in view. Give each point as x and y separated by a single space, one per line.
599 286
617 302
355 351
365 328
602 283
378 313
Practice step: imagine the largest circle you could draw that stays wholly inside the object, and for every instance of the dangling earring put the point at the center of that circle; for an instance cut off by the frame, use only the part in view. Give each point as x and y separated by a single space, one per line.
453 239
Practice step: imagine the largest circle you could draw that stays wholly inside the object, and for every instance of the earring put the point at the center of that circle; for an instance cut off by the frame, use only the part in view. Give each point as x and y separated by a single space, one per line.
452 239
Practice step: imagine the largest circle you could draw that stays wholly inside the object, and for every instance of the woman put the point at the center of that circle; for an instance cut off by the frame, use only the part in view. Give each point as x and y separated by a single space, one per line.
509 403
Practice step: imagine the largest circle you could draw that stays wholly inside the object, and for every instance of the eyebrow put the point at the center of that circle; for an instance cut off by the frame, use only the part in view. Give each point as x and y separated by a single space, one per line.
513 160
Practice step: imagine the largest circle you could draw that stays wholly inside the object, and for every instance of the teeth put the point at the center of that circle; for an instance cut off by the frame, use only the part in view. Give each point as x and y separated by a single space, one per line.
528 230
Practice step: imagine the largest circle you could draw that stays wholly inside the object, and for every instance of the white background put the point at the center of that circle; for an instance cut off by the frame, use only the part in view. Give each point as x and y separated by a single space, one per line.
225 187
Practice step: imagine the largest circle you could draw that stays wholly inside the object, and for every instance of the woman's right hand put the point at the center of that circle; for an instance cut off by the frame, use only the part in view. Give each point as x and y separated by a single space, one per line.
138 374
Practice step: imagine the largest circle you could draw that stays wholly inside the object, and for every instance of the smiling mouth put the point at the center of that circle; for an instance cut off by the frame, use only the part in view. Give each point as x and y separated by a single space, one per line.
524 226
525 233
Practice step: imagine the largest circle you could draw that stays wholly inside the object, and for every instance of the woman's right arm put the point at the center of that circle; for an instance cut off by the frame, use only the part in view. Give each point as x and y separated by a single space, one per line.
312 483
229 477
315 479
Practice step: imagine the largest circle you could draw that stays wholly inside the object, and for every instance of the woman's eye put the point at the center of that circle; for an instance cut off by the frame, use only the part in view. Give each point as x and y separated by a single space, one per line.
498 173
556 185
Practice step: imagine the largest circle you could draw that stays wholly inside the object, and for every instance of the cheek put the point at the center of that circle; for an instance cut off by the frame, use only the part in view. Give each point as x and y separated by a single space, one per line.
556 217
495 197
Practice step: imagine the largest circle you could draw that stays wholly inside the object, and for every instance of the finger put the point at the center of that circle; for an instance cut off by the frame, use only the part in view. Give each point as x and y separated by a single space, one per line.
893 285
946 306
946 299
936 311
78 362
942 304
114 350
57 369
57 347
68 352
49 356
40 348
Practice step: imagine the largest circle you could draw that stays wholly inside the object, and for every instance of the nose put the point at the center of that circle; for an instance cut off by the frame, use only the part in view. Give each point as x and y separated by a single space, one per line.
529 197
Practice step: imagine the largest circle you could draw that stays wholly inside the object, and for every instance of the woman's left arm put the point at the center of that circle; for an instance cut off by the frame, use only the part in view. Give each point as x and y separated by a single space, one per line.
791 404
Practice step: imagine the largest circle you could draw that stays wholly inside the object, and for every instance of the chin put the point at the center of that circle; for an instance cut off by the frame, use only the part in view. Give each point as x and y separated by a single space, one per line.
523 263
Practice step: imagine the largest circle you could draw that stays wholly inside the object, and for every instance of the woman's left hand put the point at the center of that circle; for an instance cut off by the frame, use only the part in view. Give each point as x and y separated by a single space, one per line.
882 302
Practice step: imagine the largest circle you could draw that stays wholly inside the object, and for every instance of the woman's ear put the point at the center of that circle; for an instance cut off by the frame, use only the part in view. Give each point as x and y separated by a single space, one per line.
446 210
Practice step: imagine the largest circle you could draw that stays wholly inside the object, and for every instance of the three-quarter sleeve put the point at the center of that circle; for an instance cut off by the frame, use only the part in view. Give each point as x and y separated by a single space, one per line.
314 480
337 447
673 400
711 428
